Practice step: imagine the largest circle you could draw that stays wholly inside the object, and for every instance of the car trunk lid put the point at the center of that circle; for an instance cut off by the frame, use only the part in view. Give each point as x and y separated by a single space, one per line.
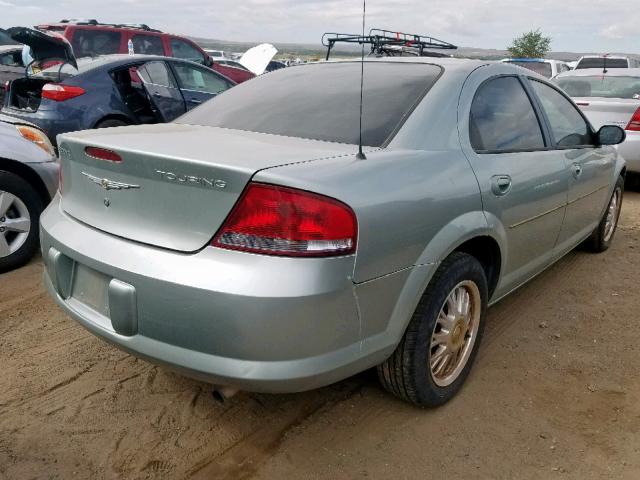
608 111
45 46
176 184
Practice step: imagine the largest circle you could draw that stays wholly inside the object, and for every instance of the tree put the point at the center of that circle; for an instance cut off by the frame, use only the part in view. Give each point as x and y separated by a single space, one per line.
530 45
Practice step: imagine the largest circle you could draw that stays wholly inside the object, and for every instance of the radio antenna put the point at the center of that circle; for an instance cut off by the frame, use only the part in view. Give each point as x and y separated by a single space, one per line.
361 155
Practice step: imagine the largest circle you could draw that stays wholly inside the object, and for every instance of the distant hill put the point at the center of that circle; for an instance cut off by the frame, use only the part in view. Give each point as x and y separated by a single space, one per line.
318 51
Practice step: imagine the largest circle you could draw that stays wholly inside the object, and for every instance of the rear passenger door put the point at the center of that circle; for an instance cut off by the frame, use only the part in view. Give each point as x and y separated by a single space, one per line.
590 167
165 97
523 184
198 84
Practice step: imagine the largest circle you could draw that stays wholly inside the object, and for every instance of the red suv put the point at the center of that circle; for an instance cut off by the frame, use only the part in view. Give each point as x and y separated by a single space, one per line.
91 38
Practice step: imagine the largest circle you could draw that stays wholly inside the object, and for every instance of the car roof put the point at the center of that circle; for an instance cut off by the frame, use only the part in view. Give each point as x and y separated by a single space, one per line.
451 64
598 72
613 57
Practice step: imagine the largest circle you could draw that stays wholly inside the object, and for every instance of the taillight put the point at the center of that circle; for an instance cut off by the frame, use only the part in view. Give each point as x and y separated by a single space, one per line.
60 93
634 124
276 220
6 86
103 154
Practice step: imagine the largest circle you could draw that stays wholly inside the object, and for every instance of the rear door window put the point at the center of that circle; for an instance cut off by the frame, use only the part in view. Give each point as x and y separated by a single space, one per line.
198 79
89 43
156 73
186 51
147 45
503 119
568 127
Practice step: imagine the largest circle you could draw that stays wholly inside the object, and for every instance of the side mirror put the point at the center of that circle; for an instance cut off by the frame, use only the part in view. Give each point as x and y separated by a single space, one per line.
611 135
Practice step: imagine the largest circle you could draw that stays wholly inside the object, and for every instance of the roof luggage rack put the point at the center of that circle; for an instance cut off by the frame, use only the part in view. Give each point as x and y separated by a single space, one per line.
386 42
95 23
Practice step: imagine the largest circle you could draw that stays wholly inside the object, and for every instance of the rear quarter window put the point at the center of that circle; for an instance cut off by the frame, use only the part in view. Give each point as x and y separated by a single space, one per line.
147 44
89 43
322 101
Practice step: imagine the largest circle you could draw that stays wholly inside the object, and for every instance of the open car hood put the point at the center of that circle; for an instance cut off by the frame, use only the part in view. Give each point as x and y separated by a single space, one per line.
257 58
44 45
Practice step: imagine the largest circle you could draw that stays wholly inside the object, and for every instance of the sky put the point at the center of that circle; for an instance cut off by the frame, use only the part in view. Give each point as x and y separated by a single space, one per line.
574 25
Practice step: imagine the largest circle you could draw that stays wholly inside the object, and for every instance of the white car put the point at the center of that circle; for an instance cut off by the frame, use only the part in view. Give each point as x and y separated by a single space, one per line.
542 66
611 98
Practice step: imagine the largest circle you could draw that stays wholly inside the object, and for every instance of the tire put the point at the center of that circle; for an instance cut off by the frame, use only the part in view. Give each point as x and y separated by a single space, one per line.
407 373
18 201
111 122
602 237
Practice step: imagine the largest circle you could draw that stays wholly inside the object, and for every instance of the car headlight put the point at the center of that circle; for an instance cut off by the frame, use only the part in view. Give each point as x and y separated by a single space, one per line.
36 136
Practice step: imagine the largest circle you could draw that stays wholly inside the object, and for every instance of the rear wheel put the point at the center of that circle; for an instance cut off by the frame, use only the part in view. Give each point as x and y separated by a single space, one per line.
20 209
437 351
111 122
602 237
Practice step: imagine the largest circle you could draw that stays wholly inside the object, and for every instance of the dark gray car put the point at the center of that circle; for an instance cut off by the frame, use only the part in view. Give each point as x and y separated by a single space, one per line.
28 180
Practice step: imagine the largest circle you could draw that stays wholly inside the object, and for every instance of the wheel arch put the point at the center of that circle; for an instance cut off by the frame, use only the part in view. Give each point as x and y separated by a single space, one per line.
113 116
487 251
24 171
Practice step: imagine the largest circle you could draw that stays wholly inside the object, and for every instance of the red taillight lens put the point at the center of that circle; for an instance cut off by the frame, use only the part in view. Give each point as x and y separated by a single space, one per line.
6 86
284 221
634 124
60 93
103 154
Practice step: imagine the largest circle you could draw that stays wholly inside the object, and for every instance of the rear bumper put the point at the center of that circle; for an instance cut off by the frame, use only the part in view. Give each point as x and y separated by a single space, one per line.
630 151
254 322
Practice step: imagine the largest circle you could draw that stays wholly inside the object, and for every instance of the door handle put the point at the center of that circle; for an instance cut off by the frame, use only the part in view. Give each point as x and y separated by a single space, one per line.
195 101
500 185
156 94
576 169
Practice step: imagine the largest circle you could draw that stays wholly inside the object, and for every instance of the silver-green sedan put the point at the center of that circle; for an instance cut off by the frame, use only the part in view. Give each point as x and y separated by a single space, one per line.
249 245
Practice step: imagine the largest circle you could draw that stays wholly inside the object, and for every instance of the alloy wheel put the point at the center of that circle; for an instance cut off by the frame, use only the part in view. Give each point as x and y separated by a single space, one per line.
455 333
15 223
613 211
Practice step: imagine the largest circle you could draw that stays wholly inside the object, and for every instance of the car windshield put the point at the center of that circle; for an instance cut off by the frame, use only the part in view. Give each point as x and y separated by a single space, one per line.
543 68
602 62
601 86
322 101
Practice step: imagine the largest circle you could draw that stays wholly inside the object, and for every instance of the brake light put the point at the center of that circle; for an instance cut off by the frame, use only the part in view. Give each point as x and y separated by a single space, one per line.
285 221
6 86
103 154
60 93
634 123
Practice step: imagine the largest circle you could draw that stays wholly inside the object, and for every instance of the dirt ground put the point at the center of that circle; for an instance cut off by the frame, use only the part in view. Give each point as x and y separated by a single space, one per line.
554 394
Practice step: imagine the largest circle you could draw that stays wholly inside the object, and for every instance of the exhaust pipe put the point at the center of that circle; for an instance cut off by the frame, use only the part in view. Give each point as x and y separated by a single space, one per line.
223 393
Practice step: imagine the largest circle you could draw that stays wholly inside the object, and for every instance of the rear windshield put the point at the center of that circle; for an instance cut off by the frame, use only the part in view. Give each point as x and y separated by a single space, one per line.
542 68
601 86
321 101
601 63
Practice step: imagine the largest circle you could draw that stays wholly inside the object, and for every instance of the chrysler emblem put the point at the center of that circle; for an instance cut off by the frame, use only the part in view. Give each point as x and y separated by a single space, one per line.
110 184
